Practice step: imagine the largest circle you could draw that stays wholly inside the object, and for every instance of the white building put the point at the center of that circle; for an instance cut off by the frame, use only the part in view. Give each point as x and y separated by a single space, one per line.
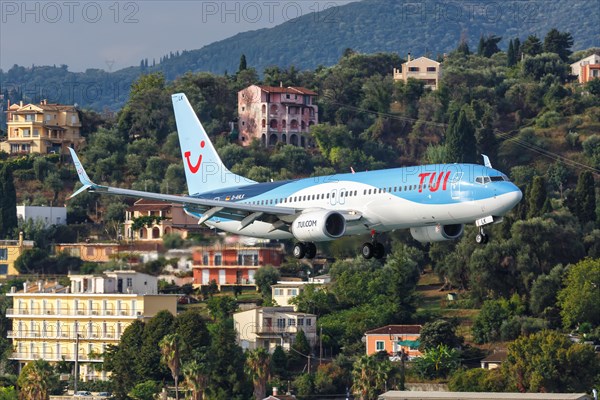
587 68
269 327
115 282
48 215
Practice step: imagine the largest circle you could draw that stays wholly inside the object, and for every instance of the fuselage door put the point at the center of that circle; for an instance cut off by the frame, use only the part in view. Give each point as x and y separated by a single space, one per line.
455 185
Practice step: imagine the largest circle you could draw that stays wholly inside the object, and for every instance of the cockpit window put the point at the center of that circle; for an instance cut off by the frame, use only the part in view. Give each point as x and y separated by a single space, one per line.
497 178
482 179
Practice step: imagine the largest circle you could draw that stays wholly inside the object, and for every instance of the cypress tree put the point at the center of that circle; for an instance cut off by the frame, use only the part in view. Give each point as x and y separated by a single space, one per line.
585 198
8 202
481 46
537 197
460 139
517 48
243 66
510 54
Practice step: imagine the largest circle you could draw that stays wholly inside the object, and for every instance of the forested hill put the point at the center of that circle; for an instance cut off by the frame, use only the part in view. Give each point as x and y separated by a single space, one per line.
425 27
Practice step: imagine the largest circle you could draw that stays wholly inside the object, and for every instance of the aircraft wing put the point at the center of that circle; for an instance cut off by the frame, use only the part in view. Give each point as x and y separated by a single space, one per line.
209 208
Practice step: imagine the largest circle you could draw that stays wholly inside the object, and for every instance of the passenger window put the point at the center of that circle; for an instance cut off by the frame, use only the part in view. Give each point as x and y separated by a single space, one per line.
355 192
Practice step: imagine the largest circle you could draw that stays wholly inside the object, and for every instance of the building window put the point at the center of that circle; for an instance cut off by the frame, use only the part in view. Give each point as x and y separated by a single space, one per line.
218 259
281 322
205 259
129 282
292 292
36 132
90 251
26 132
29 118
308 322
3 254
291 322
380 345
431 69
413 69
3 269
300 321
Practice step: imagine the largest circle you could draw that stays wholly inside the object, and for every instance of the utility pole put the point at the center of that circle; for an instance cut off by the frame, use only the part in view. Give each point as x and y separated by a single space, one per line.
321 346
76 363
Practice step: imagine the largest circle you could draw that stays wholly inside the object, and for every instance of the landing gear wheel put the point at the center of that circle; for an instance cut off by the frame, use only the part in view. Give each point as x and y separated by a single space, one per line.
299 250
481 238
378 251
368 250
311 250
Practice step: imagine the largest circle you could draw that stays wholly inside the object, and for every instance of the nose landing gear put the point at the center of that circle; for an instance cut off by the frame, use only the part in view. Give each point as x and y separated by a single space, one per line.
304 250
481 237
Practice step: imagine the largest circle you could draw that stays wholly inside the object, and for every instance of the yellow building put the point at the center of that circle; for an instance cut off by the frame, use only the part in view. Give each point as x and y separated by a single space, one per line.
10 250
41 128
53 322
421 68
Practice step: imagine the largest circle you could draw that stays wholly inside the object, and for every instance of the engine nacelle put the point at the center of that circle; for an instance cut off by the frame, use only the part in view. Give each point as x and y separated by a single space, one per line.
319 226
437 233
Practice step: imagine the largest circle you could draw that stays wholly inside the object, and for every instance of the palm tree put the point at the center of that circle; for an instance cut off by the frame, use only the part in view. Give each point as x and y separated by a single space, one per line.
369 376
258 367
170 345
34 381
195 375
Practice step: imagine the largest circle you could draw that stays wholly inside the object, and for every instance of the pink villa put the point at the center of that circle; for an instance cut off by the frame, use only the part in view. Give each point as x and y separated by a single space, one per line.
276 114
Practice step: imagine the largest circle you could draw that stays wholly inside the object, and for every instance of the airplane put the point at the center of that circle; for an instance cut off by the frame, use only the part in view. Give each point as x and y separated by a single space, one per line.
433 201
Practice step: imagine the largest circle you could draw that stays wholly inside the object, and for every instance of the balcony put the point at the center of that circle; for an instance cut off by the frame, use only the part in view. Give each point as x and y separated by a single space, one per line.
285 329
39 313
27 356
62 336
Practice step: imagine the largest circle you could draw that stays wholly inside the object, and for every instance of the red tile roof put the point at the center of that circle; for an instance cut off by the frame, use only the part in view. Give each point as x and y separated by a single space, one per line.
290 89
396 330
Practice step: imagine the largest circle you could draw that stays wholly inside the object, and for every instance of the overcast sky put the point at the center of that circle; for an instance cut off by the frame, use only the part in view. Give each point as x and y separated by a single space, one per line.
111 34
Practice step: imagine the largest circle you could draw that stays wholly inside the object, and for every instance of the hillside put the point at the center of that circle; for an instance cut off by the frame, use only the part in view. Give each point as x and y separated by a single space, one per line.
369 26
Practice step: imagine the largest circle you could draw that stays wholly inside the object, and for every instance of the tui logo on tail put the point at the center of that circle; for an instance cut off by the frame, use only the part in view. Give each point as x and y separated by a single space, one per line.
196 167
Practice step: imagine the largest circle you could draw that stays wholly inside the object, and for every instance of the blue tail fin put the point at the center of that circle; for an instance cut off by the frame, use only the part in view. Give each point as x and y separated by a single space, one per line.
204 170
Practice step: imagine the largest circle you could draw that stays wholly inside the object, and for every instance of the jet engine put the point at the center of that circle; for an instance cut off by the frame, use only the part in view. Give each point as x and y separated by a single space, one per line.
319 226
437 233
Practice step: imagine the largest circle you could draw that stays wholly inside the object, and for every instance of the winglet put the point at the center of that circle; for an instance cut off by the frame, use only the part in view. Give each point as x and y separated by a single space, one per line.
486 161
83 176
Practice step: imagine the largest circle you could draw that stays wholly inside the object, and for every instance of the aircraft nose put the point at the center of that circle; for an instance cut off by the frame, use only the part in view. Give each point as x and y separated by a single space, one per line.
515 196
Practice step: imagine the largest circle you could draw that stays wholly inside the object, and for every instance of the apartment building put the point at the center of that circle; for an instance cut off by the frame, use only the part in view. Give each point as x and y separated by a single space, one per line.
270 327
10 250
232 265
275 114
78 322
169 218
421 68
41 128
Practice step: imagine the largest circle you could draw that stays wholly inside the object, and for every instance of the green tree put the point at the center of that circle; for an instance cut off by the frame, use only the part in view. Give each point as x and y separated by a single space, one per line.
266 276
149 365
511 56
559 43
488 46
437 362
579 300
170 349
476 380
258 368
8 202
122 360
544 291
196 375
222 308
369 376
192 329
548 361
439 332
36 381
537 197
243 66
532 46
279 362
585 198
8 393
460 138
486 327
146 390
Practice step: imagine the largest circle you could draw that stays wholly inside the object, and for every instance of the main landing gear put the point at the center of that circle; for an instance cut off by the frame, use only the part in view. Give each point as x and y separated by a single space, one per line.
373 248
481 237
305 250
